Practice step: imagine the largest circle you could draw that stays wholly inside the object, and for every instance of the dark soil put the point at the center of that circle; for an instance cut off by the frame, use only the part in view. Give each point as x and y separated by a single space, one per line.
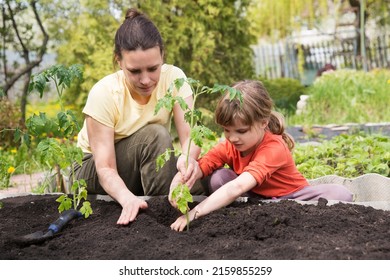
243 230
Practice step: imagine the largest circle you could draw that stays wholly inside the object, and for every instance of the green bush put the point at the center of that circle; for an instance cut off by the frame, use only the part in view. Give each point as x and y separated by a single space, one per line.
9 119
285 93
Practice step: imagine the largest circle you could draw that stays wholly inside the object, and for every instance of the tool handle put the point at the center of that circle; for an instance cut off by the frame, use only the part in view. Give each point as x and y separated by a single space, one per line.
64 218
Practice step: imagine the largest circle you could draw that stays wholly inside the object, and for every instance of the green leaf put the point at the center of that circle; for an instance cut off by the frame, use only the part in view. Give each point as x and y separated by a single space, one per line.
17 134
208 133
183 105
167 102
179 83
193 82
65 203
38 83
163 158
83 193
199 132
235 94
197 136
86 209
182 195
51 153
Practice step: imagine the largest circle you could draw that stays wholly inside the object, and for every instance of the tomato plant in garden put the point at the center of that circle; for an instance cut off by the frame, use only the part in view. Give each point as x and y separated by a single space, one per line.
198 132
54 136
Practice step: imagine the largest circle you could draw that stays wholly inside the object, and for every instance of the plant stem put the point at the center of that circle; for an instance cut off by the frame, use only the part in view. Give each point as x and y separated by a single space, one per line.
58 177
189 146
59 93
188 220
191 126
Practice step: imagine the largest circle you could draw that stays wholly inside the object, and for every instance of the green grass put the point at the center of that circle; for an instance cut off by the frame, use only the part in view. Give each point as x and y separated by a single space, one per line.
347 96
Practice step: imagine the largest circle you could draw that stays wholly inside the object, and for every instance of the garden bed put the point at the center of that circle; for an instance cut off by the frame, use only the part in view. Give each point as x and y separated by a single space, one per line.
243 230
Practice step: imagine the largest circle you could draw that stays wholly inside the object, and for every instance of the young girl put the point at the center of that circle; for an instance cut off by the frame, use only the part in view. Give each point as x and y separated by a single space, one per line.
258 152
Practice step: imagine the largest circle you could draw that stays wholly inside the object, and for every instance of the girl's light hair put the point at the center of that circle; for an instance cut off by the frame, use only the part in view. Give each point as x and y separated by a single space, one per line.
256 106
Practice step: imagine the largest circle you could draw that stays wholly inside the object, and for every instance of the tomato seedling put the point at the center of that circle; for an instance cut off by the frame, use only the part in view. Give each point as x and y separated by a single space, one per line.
198 131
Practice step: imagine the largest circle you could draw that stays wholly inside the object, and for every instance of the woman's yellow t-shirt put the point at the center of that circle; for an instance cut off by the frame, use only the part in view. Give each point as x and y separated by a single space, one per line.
110 103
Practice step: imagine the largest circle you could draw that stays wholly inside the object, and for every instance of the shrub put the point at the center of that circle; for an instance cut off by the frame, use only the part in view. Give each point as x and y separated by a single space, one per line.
9 120
285 93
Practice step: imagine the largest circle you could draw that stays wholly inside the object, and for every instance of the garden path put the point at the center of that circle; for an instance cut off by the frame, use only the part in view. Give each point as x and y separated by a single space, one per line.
23 183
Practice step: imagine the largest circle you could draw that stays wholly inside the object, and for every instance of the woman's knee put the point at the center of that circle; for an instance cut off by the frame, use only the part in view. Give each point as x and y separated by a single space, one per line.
156 132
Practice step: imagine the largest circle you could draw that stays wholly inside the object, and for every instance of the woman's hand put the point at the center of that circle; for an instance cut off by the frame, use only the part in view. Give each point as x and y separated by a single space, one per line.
103 149
130 210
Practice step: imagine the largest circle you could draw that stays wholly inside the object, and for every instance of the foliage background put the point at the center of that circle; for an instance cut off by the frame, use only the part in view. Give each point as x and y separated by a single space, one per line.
204 38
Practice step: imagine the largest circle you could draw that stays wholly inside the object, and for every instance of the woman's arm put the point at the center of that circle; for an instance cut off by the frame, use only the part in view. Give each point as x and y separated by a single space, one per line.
183 130
101 140
220 198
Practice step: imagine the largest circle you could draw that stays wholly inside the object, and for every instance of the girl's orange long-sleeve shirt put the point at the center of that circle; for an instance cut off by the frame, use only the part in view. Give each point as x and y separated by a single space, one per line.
271 164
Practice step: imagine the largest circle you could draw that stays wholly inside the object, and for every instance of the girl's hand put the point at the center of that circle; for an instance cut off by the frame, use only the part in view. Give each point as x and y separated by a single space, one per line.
181 222
190 173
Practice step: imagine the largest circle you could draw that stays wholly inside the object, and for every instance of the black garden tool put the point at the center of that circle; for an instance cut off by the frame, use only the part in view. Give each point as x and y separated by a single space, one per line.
41 236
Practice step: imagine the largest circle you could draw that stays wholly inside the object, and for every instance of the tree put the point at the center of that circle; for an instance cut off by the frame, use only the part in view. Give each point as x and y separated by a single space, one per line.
208 39
288 15
29 31
90 42
19 36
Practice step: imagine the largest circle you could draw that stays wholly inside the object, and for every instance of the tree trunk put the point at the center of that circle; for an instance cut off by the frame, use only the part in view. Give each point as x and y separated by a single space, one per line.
23 98
29 65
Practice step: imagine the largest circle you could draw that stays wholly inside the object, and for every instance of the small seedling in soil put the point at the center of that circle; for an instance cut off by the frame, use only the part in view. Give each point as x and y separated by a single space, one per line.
198 132
79 190
182 195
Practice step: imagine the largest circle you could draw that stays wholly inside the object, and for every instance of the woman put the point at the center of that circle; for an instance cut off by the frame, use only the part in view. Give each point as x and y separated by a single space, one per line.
121 136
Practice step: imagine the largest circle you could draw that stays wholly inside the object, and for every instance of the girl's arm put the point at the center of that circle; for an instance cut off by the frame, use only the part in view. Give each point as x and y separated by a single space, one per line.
183 130
220 198
101 139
